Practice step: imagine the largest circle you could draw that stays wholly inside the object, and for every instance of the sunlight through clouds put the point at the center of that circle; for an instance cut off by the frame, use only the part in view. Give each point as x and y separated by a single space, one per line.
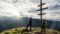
7 9
22 8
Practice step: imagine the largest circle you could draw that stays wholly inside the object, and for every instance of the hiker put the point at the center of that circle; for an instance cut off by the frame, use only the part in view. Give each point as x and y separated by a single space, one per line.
30 24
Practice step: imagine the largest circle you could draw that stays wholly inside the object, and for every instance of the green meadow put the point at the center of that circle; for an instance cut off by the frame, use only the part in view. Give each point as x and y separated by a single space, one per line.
34 30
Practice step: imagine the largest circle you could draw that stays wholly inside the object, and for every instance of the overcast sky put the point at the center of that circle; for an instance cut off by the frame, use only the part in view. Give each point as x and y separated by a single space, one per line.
27 8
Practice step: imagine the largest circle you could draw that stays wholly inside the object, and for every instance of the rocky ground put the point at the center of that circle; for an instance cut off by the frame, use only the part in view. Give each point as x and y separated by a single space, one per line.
35 30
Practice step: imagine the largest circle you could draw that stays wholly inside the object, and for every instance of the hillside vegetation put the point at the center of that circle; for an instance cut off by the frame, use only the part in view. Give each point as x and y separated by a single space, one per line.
34 30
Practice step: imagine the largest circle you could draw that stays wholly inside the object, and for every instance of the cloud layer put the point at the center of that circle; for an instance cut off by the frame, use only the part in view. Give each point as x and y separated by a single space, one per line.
27 8
8 10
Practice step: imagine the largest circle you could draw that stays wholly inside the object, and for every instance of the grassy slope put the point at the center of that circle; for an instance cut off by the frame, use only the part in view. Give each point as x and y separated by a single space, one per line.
14 31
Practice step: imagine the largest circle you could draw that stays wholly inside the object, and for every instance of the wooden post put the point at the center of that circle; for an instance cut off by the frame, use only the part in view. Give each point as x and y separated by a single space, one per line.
41 17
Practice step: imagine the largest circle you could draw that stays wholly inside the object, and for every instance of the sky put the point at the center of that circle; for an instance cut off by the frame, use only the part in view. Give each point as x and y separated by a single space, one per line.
27 8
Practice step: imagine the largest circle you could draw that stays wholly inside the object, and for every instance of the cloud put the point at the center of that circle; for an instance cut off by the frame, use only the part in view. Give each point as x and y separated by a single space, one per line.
28 7
7 9
56 7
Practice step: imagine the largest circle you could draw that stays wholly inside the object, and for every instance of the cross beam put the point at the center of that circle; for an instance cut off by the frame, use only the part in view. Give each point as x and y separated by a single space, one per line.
41 16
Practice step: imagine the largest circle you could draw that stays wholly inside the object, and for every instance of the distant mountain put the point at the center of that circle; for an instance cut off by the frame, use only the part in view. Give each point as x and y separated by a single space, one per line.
13 23
37 23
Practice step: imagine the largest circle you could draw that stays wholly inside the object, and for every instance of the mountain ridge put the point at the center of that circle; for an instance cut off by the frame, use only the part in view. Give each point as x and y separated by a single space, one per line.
9 24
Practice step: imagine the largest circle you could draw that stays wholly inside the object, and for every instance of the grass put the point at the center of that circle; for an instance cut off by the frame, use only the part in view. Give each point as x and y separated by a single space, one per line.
35 29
